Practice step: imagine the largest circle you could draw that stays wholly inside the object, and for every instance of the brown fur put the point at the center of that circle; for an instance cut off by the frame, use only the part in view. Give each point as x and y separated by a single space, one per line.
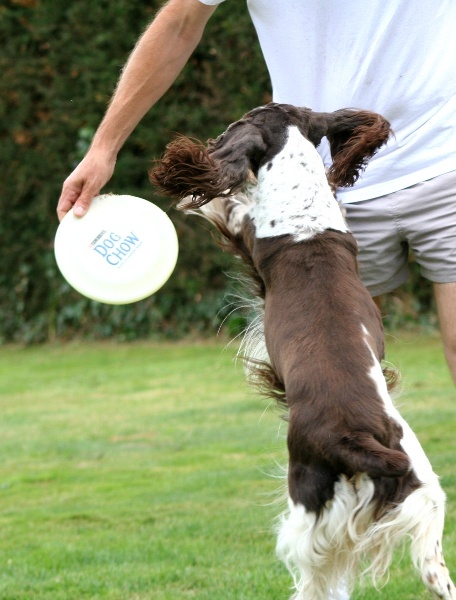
314 307
188 168
322 331
314 301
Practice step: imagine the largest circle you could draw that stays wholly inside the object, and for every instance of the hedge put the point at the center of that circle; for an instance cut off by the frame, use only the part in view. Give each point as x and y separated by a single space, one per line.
59 64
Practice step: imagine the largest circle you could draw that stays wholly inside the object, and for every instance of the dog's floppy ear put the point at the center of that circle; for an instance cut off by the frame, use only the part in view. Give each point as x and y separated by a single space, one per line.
190 169
354 137
186 170
238 152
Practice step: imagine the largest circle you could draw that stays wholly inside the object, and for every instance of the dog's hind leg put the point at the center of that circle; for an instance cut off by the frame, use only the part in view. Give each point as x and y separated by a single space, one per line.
426 548
435 574
420 516
296 549
318 549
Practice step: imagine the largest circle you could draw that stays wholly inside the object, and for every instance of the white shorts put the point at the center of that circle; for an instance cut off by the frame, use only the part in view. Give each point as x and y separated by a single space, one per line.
421 219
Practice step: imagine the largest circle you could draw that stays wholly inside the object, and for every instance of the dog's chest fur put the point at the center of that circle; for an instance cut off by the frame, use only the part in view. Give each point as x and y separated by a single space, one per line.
292 196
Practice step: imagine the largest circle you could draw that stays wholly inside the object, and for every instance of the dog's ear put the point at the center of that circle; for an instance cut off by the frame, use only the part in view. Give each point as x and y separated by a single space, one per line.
354 137
190 169
238 151
186 170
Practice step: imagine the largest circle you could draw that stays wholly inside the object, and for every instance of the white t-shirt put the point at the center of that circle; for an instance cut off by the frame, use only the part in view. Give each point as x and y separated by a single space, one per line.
395 57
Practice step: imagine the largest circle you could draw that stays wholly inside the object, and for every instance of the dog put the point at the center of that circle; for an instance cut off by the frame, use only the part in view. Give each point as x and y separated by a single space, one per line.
359 482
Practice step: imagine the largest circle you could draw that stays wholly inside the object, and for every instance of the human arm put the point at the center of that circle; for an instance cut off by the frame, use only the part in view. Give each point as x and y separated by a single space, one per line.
156 61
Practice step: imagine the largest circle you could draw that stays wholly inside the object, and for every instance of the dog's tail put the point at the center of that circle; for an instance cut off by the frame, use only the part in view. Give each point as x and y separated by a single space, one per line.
362 453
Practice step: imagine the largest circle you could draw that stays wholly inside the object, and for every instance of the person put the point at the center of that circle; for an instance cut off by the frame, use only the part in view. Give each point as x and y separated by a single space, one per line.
394 57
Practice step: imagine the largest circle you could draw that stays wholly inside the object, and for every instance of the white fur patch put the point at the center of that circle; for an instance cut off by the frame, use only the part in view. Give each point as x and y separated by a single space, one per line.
292 196
320 554
409 442
420 516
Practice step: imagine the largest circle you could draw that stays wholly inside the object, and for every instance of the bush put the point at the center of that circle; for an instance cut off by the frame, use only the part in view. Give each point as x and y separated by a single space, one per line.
60 63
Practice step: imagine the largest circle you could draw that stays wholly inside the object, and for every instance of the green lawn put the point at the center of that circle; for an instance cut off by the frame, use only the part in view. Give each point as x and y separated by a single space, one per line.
150 471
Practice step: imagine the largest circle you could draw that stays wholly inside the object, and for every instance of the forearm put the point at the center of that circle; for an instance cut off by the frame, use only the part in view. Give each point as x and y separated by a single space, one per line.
154 64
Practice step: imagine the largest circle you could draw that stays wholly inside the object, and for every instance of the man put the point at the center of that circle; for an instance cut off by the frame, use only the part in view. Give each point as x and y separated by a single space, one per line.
394 57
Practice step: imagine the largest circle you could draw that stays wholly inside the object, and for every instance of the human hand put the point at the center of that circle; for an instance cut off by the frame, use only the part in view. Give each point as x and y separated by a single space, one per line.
85 182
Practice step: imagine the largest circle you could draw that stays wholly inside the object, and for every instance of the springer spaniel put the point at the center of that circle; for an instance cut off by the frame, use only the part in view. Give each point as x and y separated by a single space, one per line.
359 482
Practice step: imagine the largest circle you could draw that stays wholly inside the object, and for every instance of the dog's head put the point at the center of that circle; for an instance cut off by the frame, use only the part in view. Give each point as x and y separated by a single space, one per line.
225 165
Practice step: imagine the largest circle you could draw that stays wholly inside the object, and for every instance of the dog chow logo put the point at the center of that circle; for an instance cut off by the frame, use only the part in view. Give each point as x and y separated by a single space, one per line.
114 248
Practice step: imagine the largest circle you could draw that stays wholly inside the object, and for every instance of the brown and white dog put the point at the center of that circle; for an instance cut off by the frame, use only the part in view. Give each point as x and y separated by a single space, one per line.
359 482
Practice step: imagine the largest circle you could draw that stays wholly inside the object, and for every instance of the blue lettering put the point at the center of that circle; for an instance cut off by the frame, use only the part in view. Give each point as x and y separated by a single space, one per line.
118 252
111 260
131 238
101 250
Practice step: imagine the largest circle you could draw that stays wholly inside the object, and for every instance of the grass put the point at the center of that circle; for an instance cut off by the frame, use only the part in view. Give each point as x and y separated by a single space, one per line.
134 472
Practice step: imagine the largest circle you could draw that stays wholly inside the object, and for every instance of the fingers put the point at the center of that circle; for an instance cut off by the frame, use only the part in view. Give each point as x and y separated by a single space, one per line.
84 201
82 185
77 199
65 204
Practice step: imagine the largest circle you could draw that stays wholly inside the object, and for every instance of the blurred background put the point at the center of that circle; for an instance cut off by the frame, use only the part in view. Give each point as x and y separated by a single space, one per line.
59 64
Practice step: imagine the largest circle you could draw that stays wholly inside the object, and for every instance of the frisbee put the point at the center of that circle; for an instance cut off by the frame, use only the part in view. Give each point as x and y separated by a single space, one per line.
121 251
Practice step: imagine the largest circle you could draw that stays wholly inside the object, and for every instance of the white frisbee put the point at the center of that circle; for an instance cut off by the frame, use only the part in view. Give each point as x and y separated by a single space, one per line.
123 250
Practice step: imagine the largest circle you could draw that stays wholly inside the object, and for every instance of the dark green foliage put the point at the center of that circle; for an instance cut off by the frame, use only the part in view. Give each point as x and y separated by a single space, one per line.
411 305
59 64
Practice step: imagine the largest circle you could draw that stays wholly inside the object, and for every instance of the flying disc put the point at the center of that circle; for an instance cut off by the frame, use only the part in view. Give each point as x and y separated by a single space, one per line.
123 250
